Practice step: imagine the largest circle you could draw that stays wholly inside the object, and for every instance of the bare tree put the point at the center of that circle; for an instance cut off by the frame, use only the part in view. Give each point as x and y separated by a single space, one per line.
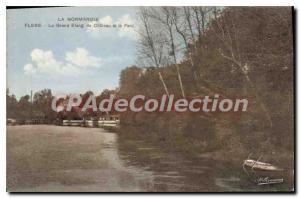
202 16
148 47
164 16
183 22
226 31
188 18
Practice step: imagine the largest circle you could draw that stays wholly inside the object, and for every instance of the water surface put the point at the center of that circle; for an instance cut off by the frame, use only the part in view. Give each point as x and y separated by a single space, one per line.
59 158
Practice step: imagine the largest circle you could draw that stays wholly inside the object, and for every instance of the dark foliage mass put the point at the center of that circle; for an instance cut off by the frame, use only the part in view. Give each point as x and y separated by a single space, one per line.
238 52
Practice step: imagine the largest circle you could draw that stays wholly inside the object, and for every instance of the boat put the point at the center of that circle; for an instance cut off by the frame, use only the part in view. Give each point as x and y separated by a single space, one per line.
263 173
257 165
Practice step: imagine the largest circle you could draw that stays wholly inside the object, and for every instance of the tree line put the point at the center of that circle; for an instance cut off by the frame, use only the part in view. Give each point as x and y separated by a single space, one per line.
39 107
232 51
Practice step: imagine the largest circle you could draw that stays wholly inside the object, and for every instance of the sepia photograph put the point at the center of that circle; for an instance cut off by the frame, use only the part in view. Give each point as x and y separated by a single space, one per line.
150 99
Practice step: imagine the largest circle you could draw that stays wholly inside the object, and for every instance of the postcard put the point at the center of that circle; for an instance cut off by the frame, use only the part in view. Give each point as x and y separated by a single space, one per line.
150 99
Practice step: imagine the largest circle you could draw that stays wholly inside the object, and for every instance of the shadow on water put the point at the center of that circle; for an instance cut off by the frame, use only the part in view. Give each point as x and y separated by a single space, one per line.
46 158
175 171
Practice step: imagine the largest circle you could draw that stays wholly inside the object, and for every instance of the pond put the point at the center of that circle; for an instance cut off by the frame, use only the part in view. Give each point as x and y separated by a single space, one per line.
64 159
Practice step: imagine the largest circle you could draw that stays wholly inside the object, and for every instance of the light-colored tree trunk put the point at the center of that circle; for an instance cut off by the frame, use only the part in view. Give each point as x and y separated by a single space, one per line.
235 57
164 16
164 84
150 41
253 87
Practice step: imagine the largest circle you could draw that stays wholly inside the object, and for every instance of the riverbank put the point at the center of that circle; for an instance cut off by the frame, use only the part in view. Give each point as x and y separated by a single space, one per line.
230 156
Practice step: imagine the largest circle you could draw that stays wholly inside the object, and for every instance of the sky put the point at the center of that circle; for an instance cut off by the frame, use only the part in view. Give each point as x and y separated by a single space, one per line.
68 60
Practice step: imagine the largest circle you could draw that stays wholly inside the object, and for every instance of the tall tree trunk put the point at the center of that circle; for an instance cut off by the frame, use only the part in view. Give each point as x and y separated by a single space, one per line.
253 87
232 57
152 49
188 19
198 21
180 81
164 84
175 61
193 69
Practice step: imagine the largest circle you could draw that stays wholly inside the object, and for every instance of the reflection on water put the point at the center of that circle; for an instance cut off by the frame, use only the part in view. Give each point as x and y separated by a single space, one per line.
171 171
56 159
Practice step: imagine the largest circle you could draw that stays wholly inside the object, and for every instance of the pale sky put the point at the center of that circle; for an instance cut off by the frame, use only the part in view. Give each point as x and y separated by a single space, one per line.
68 60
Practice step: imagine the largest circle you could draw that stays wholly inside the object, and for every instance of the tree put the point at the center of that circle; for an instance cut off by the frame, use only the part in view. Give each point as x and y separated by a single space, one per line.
184 22
42 104
164 16
25 107
225 28
151 45
11 105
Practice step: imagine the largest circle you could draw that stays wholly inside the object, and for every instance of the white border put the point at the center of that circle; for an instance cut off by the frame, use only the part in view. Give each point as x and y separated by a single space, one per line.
5 3
150 3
